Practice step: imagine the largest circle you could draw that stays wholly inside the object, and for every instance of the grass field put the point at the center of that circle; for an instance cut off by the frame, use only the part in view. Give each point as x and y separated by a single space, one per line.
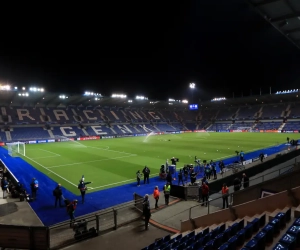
112 162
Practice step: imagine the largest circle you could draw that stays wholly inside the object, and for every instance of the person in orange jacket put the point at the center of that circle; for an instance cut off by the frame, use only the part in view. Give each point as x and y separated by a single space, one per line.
156 196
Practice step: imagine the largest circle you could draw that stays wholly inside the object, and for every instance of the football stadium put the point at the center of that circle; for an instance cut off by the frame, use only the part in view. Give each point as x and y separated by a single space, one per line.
192 145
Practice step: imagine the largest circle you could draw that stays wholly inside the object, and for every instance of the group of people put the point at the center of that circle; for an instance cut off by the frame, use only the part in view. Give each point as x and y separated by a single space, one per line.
145 173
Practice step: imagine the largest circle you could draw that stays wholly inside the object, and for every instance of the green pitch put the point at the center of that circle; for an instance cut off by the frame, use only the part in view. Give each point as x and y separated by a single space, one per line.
112 162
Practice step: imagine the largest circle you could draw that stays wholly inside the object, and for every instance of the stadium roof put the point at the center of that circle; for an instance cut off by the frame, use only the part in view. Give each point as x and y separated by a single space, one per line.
284 15
39 99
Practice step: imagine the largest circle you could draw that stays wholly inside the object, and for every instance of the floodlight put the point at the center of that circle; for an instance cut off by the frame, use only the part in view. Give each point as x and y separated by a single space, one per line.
192 85
118 96
185 101
23 88
171 100
129 100
16 88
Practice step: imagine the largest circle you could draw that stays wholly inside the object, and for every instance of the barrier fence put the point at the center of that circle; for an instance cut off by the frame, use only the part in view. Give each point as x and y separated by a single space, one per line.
216 204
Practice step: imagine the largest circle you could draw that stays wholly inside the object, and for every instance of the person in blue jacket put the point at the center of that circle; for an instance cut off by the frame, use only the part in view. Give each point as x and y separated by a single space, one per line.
34 185
82 187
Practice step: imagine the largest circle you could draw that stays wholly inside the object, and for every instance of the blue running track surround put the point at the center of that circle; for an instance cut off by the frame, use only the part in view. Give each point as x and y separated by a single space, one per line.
95 201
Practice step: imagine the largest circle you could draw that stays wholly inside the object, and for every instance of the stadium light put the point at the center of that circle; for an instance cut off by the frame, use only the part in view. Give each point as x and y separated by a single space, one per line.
23 88
89 93
118 96
129 100
171 100
141 98
63 97
287 91
218 99
23 94
4 87
35 89
16 88
185 101
192 85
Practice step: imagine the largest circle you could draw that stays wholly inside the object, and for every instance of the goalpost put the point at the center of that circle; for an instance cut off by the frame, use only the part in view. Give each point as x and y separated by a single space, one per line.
15 148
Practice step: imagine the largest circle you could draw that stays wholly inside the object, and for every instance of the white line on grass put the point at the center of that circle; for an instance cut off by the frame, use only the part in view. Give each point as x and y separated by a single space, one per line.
45 157
110 150
49 152
50 171
111 184
78 163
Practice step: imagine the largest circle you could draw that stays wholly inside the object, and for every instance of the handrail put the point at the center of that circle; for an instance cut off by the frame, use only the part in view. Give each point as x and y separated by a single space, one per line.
231 194
99 213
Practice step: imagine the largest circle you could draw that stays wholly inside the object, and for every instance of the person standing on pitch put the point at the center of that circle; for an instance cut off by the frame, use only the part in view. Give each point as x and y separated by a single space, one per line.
57 193
167 191
146 172
34 185
82 187
138 177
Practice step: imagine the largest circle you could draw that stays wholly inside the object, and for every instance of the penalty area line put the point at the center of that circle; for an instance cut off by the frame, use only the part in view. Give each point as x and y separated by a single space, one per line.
112 184
50 171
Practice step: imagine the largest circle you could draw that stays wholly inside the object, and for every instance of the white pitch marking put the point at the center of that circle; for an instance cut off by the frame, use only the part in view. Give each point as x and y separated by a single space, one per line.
78 163
49 152
110 150
51 171
111 184
45 157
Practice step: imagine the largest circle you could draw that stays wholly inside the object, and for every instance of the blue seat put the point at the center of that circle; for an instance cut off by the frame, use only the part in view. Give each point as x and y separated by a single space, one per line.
209 245
218 241
252 245
152 246
256 224
262 220
222 228
297 222
269 230
288 215
241 224
295 230
206 238
261 240
198 244
223 247
201 248
288 240
226 234
198 236
160 242
281 218
241 237
232 242
248 231
234 229
182 246
175 244
280 246
276 224
190 241
167 238
205 231
191 234
214 232
178 237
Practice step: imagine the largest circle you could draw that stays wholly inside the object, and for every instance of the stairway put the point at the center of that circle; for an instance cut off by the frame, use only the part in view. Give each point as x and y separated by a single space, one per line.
8 135
281 126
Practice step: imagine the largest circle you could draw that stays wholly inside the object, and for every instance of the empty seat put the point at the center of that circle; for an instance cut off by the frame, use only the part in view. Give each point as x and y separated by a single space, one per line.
198 236
209 245
261 240
223 247
281 218
241 224
262 220
288 240
276 224
226 234
218 241
232 242
256 224
248 231
295 230
269 230
252 245
222 228
241 237
297 222
234 229
280 246
198 244
182 246
206 238
214 232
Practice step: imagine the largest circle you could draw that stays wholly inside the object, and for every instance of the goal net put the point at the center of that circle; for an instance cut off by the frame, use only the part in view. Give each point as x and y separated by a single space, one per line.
15 148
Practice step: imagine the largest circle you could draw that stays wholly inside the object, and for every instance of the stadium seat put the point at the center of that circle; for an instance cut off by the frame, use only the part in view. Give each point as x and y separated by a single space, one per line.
280 246
262 220
209 245
297 222
218 241
261 240
281 218
226 234
295 231
222 228
256 224
248 231
252 245
190 241
234 229
167 238
198 245
241 237
198 236
276 224
232 242
288 240
223 247
241 224
182 246
215 232
206 238
269 230
152 246
178 237
205 231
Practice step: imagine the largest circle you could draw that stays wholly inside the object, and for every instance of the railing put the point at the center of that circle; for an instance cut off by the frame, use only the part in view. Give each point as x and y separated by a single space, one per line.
62 234
217 203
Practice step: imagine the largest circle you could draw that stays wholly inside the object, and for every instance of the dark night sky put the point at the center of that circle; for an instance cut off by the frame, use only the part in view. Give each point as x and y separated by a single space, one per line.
151 50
